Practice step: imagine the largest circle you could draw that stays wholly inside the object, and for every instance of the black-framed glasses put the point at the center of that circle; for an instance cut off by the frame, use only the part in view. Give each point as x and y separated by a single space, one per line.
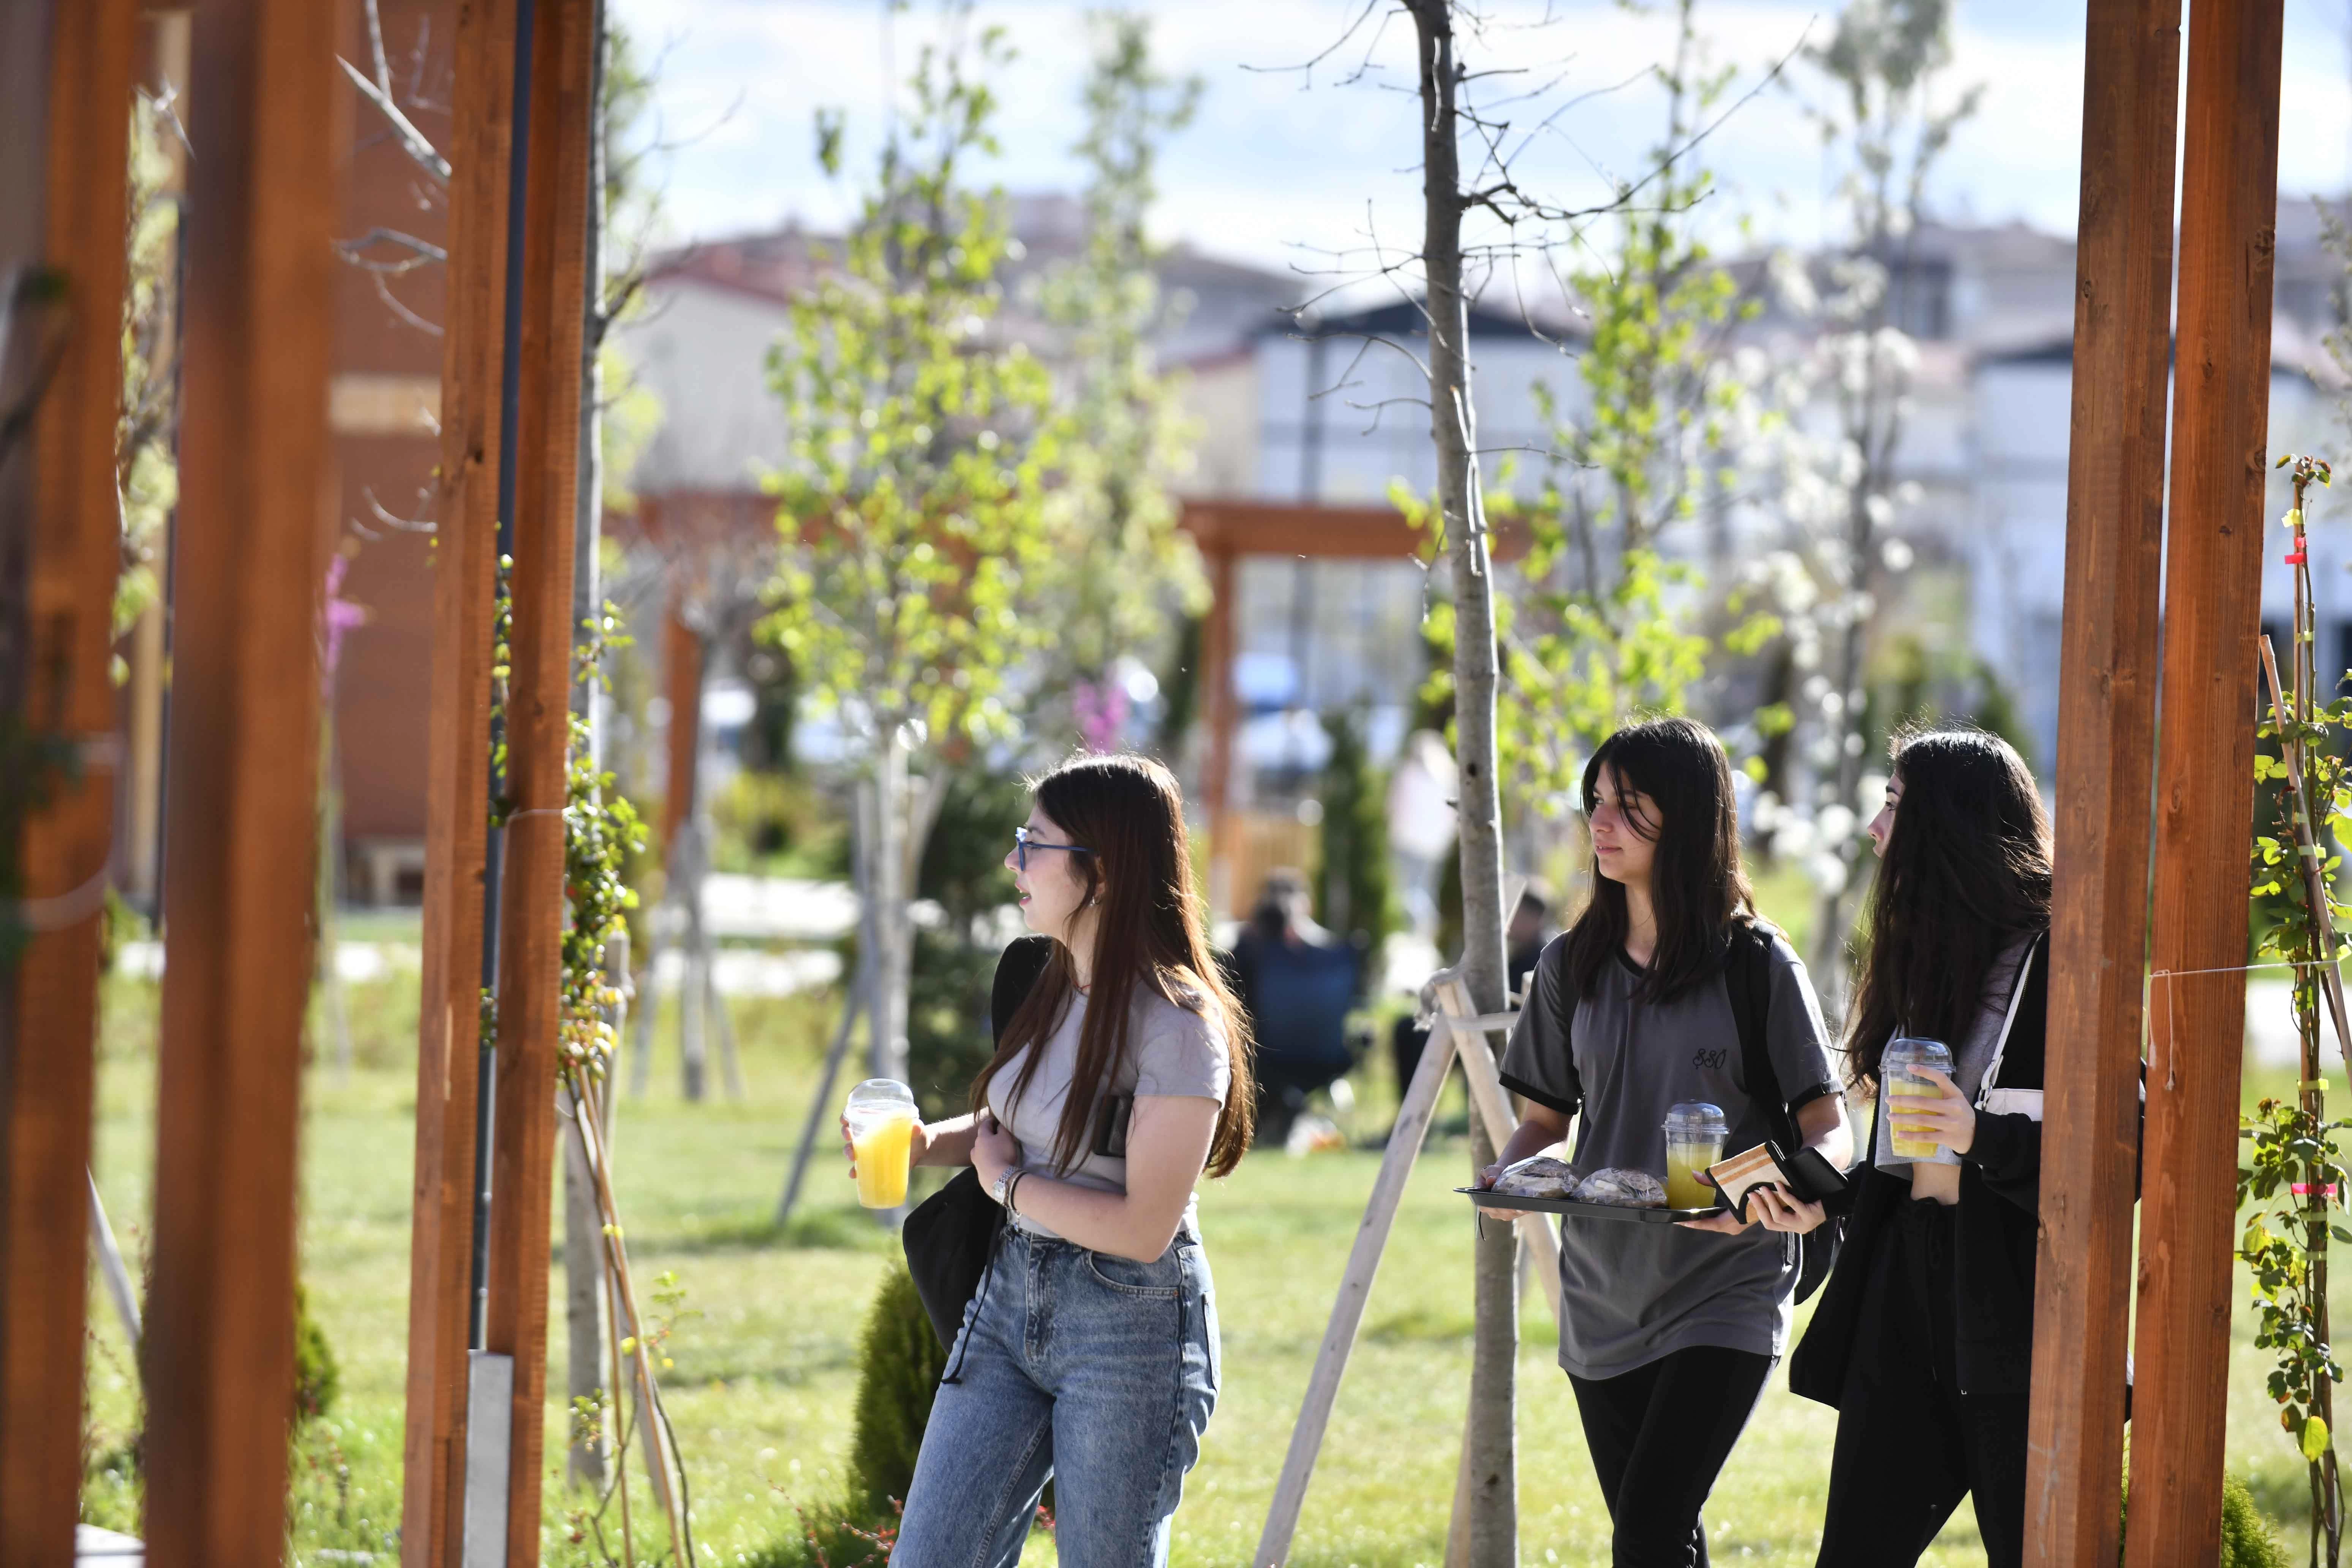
1023 844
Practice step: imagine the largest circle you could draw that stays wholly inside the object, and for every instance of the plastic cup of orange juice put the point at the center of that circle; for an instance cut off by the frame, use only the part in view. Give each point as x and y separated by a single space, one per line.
882 1119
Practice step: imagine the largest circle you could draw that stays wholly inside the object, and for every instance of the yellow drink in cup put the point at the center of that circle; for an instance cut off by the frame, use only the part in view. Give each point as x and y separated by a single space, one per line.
1907 1089
1694 1134
882 1119
1901 1089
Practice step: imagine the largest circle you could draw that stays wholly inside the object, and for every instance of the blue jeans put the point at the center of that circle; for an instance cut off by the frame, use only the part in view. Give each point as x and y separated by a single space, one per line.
1093 1370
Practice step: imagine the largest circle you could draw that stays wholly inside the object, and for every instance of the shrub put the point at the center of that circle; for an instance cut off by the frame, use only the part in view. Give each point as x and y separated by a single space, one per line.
2247 1539
899 1366
316 1375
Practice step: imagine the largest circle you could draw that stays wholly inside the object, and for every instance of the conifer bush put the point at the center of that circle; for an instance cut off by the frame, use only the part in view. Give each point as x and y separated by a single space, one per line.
898 1366
899 1363
2247 1539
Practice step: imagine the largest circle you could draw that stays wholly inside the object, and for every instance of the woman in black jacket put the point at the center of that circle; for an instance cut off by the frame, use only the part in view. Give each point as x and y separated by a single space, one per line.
1924 1337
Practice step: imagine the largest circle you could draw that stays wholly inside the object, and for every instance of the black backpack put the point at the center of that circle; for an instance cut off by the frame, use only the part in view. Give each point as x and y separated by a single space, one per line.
1748 978
951 1235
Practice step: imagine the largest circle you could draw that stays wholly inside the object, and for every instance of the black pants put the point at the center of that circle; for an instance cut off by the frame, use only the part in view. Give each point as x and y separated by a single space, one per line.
1910 1444
1659 1436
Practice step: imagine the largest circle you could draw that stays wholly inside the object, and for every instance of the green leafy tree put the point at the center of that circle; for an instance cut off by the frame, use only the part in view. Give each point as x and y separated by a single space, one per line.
1118 575
913 492
2295 1176
1886 117
1599 622
1358 888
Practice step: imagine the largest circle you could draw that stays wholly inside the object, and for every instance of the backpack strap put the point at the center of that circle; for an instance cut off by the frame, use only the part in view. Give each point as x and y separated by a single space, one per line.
1748 978
1563 1012
1018 970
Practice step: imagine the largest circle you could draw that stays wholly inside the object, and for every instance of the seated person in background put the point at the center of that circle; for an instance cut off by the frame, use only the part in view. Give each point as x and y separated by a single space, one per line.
1523 943
1297 982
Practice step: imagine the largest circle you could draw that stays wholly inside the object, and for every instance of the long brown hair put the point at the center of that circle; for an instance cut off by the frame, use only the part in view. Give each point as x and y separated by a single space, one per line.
1129 814
1696 884
1965 875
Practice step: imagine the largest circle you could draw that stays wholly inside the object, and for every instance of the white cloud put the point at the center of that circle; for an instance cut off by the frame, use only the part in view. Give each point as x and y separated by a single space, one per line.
1283 164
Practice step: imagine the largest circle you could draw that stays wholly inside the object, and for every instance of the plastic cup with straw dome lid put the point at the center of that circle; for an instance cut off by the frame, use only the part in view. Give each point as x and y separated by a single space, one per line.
1694 1134
1900 1079
882 1117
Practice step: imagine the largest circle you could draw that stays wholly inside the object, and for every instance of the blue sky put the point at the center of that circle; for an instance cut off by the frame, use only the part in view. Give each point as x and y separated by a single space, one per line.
1280 169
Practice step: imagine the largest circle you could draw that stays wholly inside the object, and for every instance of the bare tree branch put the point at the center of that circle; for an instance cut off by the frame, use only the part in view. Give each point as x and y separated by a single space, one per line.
422 252
413 142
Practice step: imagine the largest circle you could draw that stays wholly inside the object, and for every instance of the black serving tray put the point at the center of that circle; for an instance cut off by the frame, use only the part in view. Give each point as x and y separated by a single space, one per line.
1487 1198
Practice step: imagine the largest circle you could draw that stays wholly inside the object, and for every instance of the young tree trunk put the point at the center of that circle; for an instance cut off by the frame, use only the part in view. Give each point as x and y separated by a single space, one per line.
583 1247
1493 1464
886 875
1833 920
689 859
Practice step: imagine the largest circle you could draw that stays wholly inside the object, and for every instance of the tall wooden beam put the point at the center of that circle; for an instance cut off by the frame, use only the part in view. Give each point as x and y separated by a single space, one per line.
682 659
554 231
2107 668
63 157
1217 647
237 881
2205 805
466 550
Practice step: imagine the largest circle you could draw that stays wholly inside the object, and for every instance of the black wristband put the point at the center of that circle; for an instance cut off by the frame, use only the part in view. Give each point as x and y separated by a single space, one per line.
1012 1192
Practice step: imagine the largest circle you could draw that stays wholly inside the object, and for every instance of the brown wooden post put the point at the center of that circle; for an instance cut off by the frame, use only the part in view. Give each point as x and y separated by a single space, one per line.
2105 743
457 789
538 730
1217 769
682 655
2205 792
65 102
242 785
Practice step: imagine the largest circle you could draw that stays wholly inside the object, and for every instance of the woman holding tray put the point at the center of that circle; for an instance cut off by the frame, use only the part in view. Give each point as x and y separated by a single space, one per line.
1668 1332
1923 1339
1089 1353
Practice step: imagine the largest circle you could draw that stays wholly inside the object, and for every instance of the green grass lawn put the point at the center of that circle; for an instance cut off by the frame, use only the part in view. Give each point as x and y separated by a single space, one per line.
764 1377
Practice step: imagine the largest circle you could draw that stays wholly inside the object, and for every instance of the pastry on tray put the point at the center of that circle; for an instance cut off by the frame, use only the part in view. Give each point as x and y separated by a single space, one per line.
1623 1189
1538 1176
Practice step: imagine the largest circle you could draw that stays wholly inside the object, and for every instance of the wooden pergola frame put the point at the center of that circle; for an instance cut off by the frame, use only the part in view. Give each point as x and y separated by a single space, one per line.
1227 531
253 458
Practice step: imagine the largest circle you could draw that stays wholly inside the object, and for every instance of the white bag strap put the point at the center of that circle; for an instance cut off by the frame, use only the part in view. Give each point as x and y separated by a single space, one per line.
2008 1022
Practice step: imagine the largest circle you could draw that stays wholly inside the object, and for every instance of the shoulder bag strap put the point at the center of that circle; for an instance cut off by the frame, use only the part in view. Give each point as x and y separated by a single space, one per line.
1748 979
1563 1013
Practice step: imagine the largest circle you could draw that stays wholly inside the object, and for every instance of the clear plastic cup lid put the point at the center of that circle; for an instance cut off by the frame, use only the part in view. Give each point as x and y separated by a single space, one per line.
1908 1052
1697 1120
881 1094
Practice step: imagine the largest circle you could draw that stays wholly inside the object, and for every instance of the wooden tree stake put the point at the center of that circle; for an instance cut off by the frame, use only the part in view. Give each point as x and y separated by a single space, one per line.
2107 725
2205 796
65 109
242 789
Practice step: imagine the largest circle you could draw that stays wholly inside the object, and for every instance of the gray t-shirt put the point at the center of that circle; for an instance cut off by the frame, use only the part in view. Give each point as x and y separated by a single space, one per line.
1170 1051
1633 1293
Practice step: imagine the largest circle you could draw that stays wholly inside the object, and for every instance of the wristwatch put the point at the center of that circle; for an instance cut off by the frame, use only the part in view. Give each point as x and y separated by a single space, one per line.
1004 1184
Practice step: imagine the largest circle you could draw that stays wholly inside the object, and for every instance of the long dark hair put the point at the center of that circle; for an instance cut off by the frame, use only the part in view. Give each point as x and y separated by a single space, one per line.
1965 875
1129 815
1697 885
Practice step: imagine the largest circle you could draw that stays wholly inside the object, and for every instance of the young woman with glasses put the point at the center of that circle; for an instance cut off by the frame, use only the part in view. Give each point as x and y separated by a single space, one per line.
1924 1337
1090 1354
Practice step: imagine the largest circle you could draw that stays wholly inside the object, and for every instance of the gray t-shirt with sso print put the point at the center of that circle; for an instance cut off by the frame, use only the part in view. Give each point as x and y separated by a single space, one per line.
1632 1293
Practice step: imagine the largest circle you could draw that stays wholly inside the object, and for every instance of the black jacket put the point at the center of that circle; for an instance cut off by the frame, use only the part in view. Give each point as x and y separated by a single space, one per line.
1996 1236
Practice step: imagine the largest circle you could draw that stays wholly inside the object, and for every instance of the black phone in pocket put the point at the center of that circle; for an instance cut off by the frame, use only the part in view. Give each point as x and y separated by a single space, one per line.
1110 1126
